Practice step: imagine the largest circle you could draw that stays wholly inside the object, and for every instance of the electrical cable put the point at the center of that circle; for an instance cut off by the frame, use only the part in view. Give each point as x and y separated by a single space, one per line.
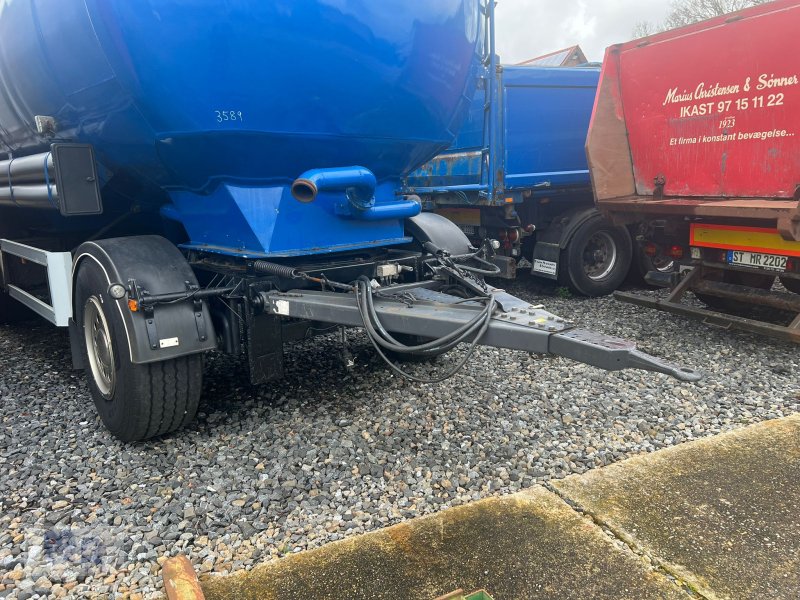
476 327
436 346
379 336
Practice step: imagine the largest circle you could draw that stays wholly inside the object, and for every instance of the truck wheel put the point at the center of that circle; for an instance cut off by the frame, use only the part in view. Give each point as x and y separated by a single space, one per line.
642 264
793 285
597 258
134 401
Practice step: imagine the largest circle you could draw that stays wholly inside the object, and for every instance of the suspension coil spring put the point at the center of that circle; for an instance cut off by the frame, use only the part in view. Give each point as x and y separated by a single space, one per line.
263 266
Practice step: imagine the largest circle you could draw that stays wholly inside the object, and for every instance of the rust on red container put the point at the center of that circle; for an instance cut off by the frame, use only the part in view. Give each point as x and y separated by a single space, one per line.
710 111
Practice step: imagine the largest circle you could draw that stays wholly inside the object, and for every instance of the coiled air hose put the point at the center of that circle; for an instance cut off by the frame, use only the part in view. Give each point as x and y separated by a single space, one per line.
382 340
380 337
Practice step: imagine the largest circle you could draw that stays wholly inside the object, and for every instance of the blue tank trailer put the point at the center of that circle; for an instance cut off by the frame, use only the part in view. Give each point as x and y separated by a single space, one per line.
191 176
517 173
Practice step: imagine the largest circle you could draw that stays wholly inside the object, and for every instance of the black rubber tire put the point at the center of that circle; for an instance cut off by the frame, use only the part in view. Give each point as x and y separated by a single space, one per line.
571 270
792 285
754 280
642 264
147 400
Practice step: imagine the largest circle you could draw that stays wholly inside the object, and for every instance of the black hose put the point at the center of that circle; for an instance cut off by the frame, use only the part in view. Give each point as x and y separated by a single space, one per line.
380 337
450 340
457 261
476 327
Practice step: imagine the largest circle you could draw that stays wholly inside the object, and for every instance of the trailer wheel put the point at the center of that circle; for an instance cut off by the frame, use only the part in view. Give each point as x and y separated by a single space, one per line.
134 401
597 258
642 264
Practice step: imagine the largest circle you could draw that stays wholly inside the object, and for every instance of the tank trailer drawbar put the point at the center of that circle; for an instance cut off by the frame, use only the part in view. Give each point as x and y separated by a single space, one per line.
434 294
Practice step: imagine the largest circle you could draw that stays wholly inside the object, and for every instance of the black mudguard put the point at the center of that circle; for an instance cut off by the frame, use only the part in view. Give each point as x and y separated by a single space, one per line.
160 268
439 231
563 227
551 241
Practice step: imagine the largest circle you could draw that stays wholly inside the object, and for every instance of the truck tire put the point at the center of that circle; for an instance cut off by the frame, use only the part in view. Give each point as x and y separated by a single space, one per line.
597 258
792 285
134 401
642 264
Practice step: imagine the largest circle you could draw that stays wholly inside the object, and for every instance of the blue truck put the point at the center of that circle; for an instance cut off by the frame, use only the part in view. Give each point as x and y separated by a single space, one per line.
187 176
517 173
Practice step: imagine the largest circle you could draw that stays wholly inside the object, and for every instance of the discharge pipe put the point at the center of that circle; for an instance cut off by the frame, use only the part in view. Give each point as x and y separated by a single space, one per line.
358 185
357 182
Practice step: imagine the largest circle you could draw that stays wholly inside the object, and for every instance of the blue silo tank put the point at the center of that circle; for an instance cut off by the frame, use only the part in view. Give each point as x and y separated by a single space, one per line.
219 105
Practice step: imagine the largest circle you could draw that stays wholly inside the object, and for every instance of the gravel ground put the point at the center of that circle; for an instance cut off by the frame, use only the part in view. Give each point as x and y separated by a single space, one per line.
328 453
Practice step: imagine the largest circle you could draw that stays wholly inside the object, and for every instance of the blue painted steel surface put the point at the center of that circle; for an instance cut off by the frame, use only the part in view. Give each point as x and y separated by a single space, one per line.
543 115
223 104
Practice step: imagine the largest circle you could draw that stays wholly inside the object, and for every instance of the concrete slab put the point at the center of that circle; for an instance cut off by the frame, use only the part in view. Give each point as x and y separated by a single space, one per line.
722 514
528 545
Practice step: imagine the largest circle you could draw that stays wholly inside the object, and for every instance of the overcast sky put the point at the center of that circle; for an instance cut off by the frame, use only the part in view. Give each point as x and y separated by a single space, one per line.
529 28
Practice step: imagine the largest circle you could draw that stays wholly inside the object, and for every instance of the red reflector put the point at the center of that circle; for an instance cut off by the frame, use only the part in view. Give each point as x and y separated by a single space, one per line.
789 264
676 252
650 249
513 235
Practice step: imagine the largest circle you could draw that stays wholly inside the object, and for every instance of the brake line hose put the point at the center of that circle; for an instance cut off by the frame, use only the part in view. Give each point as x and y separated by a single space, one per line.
375 332
380 337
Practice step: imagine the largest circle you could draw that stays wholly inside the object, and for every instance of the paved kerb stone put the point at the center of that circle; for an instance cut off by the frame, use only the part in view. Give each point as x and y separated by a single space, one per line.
527 545
721 514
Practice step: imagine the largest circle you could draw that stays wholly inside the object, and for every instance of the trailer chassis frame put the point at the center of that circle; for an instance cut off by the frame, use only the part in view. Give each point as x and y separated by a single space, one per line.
421 310
695 281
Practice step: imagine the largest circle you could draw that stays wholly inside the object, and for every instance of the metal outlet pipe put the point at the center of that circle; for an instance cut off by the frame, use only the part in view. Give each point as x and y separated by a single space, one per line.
357 182
394 210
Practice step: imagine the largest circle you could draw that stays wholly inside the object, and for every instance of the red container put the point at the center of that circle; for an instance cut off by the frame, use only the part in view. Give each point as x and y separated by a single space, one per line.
703 120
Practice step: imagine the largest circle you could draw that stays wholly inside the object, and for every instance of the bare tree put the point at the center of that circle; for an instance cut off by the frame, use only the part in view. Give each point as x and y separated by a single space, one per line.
685 12
644 28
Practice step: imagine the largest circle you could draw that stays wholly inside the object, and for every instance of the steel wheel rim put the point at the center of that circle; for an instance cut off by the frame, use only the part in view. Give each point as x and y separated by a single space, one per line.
663 264
599 256
97 338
